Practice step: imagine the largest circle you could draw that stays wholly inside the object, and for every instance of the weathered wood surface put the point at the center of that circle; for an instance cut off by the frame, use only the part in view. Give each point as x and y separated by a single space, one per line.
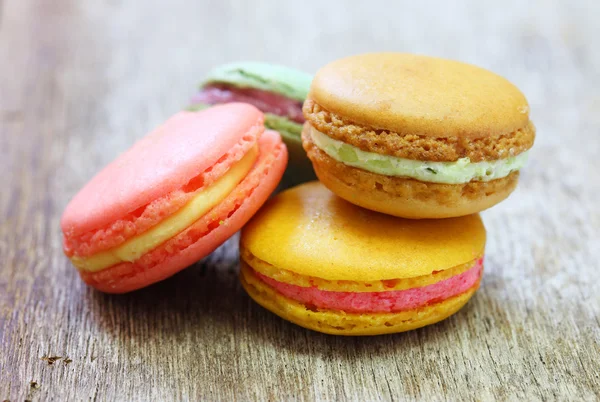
81 80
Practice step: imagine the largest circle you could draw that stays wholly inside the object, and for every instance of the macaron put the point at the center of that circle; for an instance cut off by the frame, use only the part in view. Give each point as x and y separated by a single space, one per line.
416 136
325 264
276 90
173 197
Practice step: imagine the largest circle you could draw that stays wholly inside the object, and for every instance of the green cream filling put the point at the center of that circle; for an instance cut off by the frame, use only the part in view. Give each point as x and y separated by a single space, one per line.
461 171
287 128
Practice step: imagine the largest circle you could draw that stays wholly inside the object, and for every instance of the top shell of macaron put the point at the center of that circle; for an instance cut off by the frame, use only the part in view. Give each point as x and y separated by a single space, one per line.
286 81
421 95
165 160
310 231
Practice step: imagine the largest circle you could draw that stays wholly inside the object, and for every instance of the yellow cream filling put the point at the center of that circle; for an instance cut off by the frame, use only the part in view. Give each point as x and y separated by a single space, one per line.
197 207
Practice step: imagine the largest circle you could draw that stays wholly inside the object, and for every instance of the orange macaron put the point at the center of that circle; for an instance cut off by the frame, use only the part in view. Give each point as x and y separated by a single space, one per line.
174 197
416 136
325 264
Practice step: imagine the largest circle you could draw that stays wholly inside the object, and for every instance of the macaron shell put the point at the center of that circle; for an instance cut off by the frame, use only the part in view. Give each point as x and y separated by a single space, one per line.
283 80
127 277
420 95
341 323
319 234
163 161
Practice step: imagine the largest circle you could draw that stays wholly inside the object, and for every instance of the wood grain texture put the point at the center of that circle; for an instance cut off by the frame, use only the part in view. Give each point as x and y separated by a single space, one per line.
80 81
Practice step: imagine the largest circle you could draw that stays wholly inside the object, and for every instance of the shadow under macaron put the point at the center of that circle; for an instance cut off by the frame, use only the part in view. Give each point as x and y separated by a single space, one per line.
201 300
206 303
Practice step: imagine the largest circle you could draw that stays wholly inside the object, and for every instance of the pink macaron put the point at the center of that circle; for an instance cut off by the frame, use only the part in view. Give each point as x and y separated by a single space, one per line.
173 197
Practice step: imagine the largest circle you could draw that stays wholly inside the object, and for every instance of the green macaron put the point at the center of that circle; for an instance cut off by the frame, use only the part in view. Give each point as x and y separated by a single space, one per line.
291 83
288 85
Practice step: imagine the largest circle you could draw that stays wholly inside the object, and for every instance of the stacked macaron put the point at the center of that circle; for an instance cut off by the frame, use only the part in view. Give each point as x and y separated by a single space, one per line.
415 136
408 138
276 90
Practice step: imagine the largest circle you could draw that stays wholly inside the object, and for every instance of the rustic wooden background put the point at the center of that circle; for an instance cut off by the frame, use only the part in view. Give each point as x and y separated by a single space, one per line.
81 80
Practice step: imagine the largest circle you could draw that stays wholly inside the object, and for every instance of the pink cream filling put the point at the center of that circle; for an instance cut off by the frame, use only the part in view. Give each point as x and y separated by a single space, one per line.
267 102
379 302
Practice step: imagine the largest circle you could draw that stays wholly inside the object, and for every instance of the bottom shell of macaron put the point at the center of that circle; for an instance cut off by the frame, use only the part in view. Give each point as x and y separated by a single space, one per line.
365 313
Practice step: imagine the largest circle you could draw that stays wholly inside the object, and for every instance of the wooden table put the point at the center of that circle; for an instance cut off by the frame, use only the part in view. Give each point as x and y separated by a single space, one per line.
82 80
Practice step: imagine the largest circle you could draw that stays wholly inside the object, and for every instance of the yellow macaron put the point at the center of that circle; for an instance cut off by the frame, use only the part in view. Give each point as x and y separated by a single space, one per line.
325 264
416 136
